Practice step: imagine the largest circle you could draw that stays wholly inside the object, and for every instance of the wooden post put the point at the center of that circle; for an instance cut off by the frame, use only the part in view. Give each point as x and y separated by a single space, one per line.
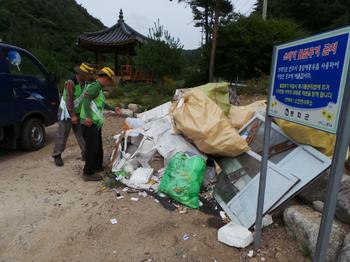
213 42
98 59
116 63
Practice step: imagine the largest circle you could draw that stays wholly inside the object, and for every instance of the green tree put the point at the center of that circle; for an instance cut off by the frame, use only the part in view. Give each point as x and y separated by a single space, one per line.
313 15
160 56
218 11
245 46
49 29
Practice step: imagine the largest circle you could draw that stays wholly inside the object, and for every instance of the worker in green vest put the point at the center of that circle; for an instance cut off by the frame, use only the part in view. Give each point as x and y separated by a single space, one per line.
69 110
91 118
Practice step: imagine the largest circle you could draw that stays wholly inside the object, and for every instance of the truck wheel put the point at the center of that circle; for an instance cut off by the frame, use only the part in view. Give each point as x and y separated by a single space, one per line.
32 134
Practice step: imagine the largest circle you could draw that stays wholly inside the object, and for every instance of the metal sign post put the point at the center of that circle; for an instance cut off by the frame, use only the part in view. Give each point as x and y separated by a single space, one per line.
310 85
262 178
341 146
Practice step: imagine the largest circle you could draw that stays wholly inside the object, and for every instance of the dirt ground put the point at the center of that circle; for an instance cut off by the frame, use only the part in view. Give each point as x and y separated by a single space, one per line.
49 213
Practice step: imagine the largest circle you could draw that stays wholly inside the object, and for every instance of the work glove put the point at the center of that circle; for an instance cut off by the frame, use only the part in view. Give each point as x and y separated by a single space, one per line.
88 122
74 119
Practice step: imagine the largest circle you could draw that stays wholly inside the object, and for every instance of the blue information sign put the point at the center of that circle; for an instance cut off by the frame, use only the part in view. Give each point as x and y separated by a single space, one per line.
308 80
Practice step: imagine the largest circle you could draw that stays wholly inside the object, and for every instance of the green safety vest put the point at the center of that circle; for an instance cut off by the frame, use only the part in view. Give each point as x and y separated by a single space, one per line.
76 97
97 107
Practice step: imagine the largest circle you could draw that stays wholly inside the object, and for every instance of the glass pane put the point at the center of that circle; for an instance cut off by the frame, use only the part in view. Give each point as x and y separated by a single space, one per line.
236 174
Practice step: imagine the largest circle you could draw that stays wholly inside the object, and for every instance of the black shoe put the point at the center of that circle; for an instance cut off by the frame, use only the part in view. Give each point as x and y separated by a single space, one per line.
93 177
100 169
58 160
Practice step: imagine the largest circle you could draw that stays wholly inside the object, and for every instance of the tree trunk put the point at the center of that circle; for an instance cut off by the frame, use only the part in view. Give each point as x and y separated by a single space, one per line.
206 23
213 41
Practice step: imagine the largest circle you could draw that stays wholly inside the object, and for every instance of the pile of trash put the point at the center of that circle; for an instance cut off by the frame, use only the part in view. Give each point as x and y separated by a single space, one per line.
200 149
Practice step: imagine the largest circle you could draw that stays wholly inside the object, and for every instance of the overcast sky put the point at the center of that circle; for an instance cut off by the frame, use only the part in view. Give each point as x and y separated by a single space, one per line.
141 14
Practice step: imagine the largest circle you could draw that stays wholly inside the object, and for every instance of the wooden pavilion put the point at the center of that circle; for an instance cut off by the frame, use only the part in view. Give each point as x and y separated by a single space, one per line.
120 39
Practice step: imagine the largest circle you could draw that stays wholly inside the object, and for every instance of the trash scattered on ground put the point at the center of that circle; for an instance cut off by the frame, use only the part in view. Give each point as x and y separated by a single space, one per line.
235 235
250 253
223 215
114 221
183 210
143 193
162 153
186 237
141 175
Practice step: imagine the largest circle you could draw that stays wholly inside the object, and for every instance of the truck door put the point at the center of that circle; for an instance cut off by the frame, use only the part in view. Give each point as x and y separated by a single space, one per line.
29 82
8 114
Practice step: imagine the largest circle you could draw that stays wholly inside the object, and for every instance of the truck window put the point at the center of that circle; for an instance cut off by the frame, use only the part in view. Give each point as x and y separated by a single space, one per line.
20 63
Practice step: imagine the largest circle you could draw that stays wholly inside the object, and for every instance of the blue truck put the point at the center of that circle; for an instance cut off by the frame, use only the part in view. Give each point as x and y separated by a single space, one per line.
29 99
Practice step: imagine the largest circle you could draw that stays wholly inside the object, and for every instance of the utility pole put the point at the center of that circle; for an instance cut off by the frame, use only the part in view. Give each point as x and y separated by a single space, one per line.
213 42
264 10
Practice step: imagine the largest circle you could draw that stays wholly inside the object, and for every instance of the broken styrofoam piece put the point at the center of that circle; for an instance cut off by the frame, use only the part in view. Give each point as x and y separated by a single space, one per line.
250 253
141 175
135 199
114 221
235 235
157 112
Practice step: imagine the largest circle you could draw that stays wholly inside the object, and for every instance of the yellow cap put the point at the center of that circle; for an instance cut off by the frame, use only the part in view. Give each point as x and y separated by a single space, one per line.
107 71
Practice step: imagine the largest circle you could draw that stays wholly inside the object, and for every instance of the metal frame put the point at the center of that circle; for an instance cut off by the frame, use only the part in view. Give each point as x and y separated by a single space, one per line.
273 170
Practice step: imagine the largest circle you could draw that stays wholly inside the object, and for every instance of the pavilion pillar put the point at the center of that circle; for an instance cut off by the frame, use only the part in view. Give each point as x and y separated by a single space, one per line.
116 62
98 59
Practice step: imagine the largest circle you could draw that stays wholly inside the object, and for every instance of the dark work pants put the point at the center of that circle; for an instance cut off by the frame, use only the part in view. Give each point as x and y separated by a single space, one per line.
93 149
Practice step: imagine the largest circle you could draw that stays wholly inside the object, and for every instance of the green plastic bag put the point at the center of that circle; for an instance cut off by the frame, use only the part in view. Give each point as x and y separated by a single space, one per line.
183 178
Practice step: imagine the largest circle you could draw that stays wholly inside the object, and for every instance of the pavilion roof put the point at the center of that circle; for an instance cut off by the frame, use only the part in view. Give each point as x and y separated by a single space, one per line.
119 38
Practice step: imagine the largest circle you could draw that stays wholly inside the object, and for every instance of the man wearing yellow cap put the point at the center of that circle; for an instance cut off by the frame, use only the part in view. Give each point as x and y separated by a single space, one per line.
68 116
91 118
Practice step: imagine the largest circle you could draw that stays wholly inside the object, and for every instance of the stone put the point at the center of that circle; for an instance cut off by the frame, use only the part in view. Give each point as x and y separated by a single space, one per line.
343 203
135 108
318 205
345 251
127 112
302 223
